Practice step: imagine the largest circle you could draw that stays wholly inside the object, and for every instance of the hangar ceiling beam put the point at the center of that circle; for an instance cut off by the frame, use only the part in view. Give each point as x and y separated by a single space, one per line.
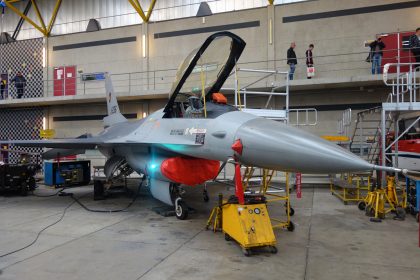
21 20
19 13
38 14
54 16
46 31
137 6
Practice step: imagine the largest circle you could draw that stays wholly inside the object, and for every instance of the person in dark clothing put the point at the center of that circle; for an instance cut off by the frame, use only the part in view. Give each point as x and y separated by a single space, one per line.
309 58
3 85
20 84
415 46
291 60
376 48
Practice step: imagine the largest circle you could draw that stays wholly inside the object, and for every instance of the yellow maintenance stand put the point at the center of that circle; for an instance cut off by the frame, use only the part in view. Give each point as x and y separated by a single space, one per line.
350 187
248 224
244 218
381 201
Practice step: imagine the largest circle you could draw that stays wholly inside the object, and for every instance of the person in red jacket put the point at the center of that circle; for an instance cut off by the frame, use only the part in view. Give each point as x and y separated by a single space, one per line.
309 57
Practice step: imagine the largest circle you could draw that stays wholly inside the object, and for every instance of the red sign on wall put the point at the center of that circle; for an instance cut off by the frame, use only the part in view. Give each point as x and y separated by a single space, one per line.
299 185
393 42
64 80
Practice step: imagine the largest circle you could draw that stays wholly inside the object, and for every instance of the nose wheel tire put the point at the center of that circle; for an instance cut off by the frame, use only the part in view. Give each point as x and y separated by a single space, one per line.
181 210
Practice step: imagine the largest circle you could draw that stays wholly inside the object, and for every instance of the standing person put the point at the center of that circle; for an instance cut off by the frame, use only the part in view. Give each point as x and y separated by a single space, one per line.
415 46
291 60
376 48
20 84
3 84
309 58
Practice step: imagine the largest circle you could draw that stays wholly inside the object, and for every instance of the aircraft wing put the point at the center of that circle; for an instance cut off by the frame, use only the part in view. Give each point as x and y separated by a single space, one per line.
88 143
72 143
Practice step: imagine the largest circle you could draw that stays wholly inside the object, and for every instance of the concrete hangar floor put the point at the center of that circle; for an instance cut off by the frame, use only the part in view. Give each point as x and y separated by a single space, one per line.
330 241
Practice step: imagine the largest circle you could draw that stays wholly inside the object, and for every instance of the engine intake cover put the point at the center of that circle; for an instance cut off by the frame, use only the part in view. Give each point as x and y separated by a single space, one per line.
189 171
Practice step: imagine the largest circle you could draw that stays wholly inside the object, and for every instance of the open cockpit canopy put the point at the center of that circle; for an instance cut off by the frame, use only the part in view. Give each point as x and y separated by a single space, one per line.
206 68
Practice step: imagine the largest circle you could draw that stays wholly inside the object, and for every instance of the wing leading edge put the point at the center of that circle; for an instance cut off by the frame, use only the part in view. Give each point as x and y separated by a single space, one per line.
72 143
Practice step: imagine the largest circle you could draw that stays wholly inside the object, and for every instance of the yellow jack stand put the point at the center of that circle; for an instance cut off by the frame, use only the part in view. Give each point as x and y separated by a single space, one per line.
375 202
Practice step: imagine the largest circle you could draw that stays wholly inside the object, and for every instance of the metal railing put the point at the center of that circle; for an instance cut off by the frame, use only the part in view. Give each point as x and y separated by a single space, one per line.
343 125
405 87
278 84
134 83
139 83
336 65
310 117
263 78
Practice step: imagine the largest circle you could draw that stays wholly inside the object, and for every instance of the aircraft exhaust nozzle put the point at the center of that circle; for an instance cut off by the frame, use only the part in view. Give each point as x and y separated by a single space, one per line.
270 144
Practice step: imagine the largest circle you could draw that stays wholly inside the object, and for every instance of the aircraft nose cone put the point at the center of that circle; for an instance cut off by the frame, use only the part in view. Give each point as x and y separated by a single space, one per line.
273 145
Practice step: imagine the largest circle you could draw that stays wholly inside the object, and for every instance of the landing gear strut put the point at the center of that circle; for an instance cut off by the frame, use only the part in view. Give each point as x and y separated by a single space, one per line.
205 194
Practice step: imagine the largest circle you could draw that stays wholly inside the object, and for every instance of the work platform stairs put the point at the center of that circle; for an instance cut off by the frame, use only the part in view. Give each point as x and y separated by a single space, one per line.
365 141
366 137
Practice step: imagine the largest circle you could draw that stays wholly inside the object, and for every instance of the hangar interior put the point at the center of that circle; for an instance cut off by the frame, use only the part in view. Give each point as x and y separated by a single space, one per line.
74 202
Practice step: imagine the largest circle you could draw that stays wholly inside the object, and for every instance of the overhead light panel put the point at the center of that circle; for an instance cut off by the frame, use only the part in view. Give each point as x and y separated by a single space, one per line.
44 123
44 57
143 41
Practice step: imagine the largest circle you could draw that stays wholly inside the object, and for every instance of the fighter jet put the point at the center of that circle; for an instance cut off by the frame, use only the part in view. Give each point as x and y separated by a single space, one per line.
185 142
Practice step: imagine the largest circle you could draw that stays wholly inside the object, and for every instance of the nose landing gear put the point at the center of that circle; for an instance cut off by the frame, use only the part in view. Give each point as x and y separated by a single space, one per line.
181 208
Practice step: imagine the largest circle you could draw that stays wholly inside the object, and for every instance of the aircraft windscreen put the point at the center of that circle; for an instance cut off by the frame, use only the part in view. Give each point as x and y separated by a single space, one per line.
206 70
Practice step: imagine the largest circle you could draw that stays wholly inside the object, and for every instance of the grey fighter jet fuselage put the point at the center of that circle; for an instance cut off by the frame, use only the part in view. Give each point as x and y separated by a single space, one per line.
185 142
